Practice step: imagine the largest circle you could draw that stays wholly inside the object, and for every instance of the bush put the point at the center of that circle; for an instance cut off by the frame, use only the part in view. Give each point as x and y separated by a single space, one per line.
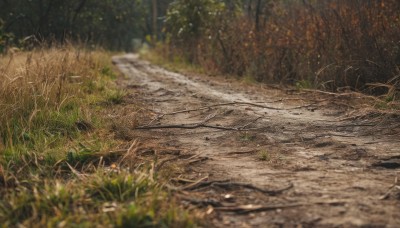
187 21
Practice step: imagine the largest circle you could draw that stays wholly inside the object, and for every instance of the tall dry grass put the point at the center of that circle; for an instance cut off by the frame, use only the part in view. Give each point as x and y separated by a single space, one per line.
53 170
325 44
40 91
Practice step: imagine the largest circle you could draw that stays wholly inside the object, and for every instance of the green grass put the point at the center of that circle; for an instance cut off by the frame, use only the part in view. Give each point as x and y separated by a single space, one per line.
115 96
105 198
56 164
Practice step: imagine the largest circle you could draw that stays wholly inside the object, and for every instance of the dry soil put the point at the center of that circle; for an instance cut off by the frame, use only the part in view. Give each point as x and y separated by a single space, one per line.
260 156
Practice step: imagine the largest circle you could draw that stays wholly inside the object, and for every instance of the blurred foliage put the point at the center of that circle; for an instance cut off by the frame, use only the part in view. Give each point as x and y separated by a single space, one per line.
112 24
187 19
4 37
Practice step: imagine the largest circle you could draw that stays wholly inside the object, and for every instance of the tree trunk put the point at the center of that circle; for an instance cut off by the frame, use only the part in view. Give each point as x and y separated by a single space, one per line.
258 12
154 4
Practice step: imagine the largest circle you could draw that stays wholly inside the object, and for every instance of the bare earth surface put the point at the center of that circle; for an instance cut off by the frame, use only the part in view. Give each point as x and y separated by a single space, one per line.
263 157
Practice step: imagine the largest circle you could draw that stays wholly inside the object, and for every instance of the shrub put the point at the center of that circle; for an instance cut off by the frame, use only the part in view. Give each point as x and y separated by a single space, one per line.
189 20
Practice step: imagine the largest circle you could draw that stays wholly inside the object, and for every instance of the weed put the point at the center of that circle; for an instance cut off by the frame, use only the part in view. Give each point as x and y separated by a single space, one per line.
107 71
115 96
263 155
119 187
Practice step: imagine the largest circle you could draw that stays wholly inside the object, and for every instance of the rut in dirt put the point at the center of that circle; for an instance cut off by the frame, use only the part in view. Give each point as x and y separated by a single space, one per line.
265 158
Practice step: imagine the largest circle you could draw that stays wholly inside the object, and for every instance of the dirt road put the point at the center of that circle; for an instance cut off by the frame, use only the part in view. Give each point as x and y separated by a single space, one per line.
264 157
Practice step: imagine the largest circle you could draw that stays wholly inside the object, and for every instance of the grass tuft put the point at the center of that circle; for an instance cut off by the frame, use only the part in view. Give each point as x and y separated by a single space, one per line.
263 155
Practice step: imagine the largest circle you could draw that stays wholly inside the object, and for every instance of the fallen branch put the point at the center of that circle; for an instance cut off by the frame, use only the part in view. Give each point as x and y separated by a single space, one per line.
202 202
336 135
245 209
198 160
193 184
163 162
189 161
226 184
241 152
248 124
200 184
301 106
183 180
356 125
193 156
252 187
188 126
210 117
217 105
391 188
199 125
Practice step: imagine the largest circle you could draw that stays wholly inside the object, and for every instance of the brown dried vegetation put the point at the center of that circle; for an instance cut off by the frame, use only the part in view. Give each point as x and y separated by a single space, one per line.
324 44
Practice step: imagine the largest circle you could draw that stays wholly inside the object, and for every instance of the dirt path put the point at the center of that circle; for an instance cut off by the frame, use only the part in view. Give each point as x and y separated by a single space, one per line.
332 171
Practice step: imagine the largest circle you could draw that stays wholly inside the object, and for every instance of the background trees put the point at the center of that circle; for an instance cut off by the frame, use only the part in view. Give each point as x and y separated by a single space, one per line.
109 23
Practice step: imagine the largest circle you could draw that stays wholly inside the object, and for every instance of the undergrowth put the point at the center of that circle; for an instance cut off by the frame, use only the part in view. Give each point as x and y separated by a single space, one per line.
326 45
57 165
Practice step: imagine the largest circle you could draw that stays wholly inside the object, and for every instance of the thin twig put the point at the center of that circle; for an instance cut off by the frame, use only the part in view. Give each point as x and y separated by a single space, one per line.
198 160
193 184
241 152
163 162
252 187
226 184
210 117
183 180
76 172
199 125
356 125
202 202
389 191
194 156
248 124
245 209
188 126
221 104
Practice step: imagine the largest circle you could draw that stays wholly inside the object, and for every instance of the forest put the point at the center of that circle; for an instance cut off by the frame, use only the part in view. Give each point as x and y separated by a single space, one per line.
196 113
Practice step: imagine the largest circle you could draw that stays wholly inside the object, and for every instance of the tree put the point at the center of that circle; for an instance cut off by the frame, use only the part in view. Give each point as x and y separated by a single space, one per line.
111 23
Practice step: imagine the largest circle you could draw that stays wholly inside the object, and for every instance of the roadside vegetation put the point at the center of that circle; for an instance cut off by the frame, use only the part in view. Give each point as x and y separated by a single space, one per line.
60 164
328 45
